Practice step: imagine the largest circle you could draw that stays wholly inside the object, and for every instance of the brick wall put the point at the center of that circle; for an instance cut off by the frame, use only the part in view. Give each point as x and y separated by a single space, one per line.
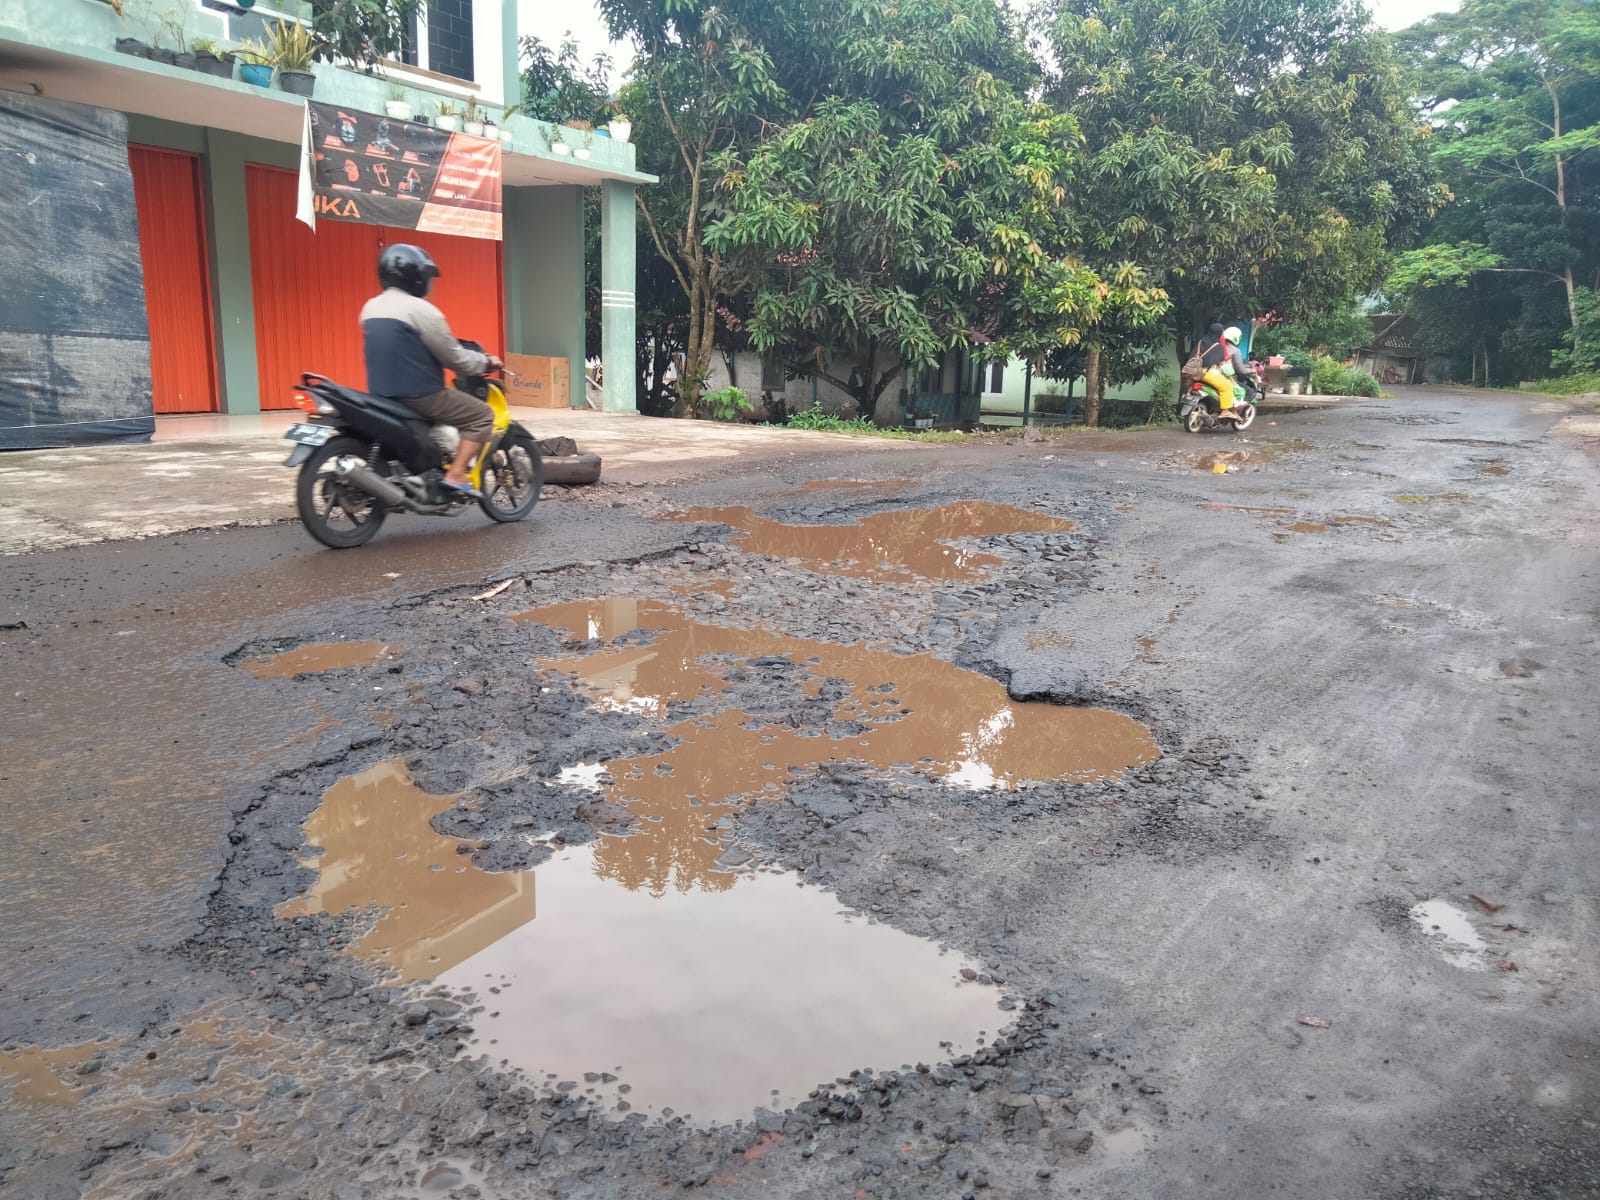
450 37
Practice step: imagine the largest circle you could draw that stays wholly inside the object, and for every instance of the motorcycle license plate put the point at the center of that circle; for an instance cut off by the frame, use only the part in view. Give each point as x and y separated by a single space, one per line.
308 435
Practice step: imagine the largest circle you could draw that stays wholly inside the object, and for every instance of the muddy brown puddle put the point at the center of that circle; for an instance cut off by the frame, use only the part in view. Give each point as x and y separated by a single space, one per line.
898 545
683 1002
315 658
639 965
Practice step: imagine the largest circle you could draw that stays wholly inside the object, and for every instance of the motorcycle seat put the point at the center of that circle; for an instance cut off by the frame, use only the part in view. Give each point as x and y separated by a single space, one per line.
396 410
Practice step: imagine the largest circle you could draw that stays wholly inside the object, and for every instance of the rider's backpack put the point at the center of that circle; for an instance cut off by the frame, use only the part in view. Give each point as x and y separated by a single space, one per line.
1194 369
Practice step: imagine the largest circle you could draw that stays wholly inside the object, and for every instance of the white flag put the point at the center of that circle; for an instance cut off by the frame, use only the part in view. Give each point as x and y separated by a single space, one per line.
306 209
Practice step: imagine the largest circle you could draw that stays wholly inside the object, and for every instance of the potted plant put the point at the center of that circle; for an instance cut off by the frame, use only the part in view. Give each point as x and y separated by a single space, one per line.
255 64
292 49
618 128
170 29
474 119
398 106
209 60
133 46
447 115
504 131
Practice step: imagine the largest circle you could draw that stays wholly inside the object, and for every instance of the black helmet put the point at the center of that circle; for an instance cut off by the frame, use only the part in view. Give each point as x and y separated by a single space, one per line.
408 268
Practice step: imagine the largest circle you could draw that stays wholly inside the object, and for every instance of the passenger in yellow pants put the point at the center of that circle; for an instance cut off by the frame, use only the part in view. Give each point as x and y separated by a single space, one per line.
1215 379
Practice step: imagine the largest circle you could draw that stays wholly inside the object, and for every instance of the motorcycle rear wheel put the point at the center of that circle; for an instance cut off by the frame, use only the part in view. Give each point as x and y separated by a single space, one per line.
512 478
338 516
1195 420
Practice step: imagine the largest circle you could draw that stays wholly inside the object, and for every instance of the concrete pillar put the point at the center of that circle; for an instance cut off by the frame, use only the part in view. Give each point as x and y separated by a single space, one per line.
618 276
511 46
544 276
233 297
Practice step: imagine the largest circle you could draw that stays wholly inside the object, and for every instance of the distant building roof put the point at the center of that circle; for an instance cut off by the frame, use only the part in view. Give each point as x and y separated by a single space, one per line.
1394 334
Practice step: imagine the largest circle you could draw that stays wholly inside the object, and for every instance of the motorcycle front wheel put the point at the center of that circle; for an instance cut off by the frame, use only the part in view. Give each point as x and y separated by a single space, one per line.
1246 419
338 516
512 477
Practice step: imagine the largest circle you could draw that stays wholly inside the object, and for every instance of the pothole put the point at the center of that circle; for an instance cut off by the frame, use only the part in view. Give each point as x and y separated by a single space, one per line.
655 969
41 1075
682 1001
315 658
1452 933
1286 519
826 484
379 849
893 546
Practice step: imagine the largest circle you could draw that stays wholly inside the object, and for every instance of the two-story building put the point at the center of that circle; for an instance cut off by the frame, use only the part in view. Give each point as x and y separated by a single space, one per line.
240 297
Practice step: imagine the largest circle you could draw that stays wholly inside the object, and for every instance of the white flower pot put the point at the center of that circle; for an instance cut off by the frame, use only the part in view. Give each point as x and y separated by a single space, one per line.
448 124
506 137
581 152
621 131
398 110
561 147
474 128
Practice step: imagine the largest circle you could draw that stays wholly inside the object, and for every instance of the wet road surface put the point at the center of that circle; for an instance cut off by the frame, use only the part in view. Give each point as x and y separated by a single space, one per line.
1192 832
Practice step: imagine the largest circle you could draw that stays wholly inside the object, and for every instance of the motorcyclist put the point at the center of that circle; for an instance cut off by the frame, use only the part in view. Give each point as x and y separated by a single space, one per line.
408 348
1224 362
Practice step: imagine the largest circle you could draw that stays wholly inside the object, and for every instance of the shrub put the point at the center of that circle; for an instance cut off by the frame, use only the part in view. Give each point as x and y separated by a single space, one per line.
1359 383
816 419
727 404
1327 376
1297 356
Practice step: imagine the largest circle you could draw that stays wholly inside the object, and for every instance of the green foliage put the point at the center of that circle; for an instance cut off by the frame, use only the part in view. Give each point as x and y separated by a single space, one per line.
1568 385
1164 405
1360 383
1296 356
817 420
1330 377
1245 177
1336 333
1327 377
1582 352
557 86
362 32
290 46
1513 90
727 404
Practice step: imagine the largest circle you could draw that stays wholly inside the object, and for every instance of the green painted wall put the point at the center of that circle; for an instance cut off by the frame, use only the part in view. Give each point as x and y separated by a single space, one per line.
1010 398
544 276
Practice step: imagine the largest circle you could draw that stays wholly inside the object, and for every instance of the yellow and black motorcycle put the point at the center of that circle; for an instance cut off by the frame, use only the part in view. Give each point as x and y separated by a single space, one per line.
362 457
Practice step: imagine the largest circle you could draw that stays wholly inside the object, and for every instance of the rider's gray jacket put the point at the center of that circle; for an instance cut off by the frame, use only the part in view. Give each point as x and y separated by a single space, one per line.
409 345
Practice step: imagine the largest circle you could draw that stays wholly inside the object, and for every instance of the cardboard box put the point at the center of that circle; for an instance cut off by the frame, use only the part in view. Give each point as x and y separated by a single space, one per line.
540 382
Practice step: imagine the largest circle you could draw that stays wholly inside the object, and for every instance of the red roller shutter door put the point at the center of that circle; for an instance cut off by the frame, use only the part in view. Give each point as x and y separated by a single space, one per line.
468 290
177 278
309 287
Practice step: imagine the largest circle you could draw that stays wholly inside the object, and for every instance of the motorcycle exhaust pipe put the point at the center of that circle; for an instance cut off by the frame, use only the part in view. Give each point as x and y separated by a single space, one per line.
357 474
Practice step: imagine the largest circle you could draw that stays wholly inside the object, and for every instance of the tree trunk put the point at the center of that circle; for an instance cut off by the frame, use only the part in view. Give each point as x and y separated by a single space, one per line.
1561 203
1092 388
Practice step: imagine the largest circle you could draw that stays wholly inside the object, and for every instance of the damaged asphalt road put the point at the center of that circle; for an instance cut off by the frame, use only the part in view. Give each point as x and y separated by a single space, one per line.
1185 833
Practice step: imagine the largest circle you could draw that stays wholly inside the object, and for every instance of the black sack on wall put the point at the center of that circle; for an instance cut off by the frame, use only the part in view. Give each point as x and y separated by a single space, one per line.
74 336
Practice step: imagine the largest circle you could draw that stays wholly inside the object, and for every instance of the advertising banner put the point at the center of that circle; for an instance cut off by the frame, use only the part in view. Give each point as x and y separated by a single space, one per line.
358 166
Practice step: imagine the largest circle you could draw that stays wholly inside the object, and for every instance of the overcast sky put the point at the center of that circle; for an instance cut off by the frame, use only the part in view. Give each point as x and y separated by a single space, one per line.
550 20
